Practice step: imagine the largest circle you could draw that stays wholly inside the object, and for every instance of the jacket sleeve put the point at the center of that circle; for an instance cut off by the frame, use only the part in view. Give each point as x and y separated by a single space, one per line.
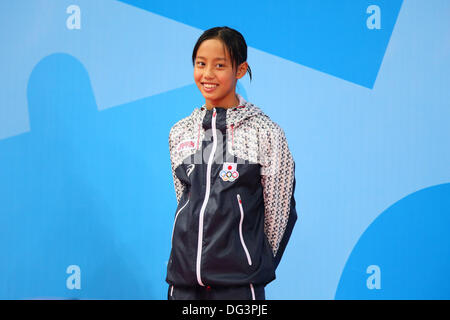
278 181
179 186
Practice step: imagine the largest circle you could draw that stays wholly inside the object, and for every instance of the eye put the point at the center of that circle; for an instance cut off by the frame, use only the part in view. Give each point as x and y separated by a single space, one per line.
219 65
200 63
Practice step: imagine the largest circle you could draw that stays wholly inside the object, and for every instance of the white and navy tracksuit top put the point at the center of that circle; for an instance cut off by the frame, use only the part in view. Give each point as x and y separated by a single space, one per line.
234 180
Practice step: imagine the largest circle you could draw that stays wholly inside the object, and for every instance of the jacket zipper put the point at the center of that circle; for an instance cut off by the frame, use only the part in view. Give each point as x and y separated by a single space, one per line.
240 230
205 200
251 289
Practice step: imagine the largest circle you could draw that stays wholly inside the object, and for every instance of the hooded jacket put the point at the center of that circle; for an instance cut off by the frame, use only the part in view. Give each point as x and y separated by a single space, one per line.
234 179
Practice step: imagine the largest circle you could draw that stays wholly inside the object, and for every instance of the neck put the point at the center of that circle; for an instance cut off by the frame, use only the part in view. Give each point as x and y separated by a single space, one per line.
210 104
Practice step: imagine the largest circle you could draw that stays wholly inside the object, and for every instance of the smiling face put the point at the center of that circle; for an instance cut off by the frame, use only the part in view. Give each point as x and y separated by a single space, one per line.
215 76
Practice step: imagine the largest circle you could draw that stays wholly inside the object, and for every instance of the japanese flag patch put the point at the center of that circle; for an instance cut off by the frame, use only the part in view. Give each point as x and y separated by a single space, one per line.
229 172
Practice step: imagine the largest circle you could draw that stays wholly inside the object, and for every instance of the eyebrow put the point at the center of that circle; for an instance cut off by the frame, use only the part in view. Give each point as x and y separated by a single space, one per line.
213 59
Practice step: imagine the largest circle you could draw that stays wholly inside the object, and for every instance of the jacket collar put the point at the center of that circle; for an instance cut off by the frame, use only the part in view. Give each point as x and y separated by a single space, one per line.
234 116
244 111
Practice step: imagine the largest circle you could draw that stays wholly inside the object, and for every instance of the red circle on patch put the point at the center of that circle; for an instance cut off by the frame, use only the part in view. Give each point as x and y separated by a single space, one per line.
229 167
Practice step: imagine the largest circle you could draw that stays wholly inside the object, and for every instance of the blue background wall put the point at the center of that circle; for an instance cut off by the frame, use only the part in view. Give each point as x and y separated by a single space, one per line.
85 114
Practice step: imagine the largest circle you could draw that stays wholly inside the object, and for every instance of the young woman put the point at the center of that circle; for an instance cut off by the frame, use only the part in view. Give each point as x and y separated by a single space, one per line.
234 182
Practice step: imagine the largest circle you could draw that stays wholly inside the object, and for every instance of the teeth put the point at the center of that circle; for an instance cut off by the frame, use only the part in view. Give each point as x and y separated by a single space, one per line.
207 85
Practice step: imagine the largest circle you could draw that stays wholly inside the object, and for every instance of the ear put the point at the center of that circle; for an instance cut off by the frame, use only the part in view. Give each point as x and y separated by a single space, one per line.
242 70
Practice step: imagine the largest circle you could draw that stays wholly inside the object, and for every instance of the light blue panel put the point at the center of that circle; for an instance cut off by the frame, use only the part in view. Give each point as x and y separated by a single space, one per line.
90 185
87 188
326 35
358 151
129 53
405 252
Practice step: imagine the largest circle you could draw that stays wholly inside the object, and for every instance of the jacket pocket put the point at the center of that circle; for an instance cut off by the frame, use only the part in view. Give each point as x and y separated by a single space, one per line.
176 217
249 259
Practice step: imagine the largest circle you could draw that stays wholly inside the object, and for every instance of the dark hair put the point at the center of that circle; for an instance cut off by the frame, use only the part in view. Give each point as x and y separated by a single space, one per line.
233 40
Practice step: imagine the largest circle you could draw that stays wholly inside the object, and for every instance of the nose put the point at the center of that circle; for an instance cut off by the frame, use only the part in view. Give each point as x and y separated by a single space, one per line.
209 74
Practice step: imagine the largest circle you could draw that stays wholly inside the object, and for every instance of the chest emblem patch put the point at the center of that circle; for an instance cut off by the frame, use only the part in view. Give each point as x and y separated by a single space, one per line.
229 172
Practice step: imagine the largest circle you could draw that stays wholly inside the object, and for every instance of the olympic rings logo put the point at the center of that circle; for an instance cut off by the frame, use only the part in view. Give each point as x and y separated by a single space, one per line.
229 175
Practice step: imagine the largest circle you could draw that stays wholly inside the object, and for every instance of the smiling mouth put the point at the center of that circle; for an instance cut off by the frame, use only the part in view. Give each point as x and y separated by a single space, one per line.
209 87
